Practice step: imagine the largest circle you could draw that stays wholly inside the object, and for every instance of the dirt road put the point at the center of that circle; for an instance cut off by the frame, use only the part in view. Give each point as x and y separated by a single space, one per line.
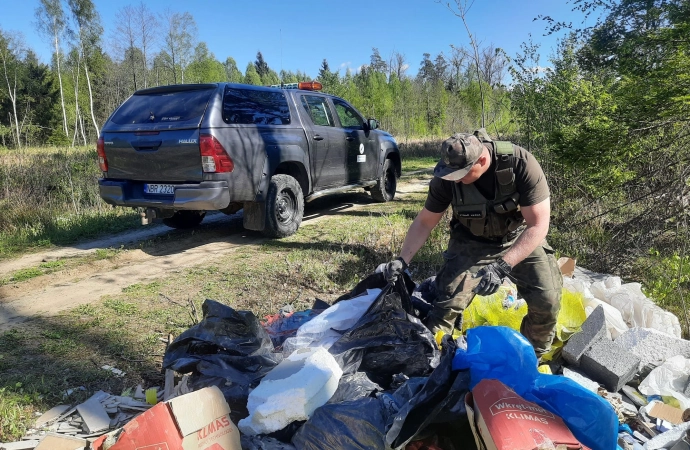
171 251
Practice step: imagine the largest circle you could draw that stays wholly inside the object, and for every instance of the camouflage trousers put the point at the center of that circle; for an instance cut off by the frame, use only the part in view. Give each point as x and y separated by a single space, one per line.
537 277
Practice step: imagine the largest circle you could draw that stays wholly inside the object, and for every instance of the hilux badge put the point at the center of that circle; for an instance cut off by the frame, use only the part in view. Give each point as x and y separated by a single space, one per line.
187 141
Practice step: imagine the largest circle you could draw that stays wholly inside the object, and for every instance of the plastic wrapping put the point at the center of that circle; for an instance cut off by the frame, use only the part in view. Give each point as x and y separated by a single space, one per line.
637 310
670 379
284 325
223 330
498 309
353 387
387 340
263 443
615 325
326 328
504 354
355 425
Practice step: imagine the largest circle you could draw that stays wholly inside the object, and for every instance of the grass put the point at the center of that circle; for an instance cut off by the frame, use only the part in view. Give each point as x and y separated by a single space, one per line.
323 260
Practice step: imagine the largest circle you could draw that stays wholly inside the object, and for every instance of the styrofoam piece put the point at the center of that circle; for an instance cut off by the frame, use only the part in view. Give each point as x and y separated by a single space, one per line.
667 439
652 347
291 391
326 328
670 379
581 379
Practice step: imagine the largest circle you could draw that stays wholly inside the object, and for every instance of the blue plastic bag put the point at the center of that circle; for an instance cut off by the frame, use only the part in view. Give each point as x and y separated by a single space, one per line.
504 354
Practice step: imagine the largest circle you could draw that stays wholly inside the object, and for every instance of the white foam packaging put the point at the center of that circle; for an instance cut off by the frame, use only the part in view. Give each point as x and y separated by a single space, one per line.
305 380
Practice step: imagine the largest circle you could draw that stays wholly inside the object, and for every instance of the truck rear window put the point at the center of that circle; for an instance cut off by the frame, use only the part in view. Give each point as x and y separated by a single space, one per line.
255 107
166 108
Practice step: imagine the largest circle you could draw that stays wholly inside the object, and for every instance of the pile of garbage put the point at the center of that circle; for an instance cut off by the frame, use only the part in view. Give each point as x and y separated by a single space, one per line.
365 373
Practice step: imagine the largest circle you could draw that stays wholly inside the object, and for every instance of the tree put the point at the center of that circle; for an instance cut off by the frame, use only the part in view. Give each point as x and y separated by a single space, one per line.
261 66
179 38
125 38
87 34
147 30
51 22
328 79
377 63
12 51
232 73
205 68
251 76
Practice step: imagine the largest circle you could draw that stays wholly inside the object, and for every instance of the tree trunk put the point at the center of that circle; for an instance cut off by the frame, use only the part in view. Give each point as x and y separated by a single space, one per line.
88 83
13 98
62 95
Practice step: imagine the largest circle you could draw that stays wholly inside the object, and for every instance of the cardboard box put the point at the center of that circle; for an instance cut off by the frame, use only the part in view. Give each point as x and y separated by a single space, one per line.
58 442
196 421
660 410
502 420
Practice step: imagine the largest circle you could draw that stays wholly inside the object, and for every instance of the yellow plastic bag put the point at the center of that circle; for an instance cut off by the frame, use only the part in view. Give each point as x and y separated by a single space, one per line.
500 310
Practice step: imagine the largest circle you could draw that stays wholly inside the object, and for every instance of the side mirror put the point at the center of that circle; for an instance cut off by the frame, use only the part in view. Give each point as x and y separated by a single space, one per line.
372 124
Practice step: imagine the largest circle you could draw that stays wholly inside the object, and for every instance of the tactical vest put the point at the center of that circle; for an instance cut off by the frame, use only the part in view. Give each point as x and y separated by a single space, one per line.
500 216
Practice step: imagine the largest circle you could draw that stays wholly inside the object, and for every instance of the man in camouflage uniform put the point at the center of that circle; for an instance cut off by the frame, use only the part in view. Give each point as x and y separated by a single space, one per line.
501 208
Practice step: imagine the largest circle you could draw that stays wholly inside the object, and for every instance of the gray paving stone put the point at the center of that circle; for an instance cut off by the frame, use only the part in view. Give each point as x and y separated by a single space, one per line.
609 364
593 330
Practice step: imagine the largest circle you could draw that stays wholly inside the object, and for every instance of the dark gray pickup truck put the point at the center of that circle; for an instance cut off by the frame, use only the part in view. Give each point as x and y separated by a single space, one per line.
176 152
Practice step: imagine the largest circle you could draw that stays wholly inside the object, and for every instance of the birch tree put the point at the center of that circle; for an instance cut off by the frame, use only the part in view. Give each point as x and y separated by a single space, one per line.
87 34
147 26
51 22
180 33
11 50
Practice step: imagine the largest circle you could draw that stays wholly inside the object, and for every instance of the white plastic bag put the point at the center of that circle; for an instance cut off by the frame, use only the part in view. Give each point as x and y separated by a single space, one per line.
326 328
669 379
615 325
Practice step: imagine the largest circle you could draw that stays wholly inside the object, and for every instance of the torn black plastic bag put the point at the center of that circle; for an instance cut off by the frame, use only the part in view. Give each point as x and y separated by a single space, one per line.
440 400
263 443
353 387
235 376
387 340
223 330
355 425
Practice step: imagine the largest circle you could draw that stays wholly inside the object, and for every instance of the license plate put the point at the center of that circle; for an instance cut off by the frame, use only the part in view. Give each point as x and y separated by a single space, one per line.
162 189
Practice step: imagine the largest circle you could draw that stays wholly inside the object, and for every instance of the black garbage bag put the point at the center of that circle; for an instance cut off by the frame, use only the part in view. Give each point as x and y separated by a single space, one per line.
440 400
263 443
377 281
356 425
387 340
222 330
353 387
423 298
235 376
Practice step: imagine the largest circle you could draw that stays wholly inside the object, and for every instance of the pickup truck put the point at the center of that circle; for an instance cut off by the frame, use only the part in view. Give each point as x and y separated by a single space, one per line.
176 152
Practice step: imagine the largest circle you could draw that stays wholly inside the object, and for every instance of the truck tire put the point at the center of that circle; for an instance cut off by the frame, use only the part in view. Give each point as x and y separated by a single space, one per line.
185 219
284 207
384 189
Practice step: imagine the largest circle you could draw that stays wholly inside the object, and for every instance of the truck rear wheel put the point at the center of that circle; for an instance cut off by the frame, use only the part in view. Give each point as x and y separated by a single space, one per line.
185 219
384 189
284 207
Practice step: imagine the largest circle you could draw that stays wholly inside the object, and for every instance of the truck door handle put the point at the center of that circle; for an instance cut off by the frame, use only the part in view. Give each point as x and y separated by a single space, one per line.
146 145
350 138
318 137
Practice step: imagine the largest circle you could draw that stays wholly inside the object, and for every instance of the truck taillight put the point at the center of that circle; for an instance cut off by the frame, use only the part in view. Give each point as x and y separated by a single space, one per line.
102 159
214 158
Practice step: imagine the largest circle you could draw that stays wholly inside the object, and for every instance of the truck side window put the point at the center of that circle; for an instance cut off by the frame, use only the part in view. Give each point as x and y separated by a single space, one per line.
349 118
255 107
318 110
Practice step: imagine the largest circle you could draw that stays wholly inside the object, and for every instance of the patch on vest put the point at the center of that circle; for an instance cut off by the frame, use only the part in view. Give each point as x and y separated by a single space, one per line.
471 214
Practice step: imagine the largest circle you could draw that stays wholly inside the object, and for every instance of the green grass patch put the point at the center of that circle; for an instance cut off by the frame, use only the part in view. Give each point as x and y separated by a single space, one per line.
418 163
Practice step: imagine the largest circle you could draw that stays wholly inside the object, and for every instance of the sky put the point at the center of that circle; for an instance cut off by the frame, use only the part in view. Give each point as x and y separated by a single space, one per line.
299 34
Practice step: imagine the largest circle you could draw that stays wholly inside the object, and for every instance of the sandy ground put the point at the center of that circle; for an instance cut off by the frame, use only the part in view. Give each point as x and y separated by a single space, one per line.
171 252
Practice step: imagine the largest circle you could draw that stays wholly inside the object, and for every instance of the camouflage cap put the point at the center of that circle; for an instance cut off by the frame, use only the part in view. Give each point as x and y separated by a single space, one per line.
458 154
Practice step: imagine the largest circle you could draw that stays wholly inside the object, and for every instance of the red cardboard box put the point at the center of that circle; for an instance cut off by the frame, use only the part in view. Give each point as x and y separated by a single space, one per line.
196 421
502 420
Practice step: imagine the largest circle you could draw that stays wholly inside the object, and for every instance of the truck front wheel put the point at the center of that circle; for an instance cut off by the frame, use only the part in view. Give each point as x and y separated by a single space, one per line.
384 189
284 207
185 219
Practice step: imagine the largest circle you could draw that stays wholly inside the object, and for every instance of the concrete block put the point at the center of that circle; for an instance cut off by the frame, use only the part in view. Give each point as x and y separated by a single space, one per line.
291 391
686 392
609 364
581 380
593 330
651 346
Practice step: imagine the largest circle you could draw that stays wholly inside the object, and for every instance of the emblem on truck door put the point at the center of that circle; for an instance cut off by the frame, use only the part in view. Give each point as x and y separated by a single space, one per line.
361 149
187 141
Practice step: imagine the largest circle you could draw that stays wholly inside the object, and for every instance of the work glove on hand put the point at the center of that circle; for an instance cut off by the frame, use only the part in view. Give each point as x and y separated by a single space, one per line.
492 277
394 269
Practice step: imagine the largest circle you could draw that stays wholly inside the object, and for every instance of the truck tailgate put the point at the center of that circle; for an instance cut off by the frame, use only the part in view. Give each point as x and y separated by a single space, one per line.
163 156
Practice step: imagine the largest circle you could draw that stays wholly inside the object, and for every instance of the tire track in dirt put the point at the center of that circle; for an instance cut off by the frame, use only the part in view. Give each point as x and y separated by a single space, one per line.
52 293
